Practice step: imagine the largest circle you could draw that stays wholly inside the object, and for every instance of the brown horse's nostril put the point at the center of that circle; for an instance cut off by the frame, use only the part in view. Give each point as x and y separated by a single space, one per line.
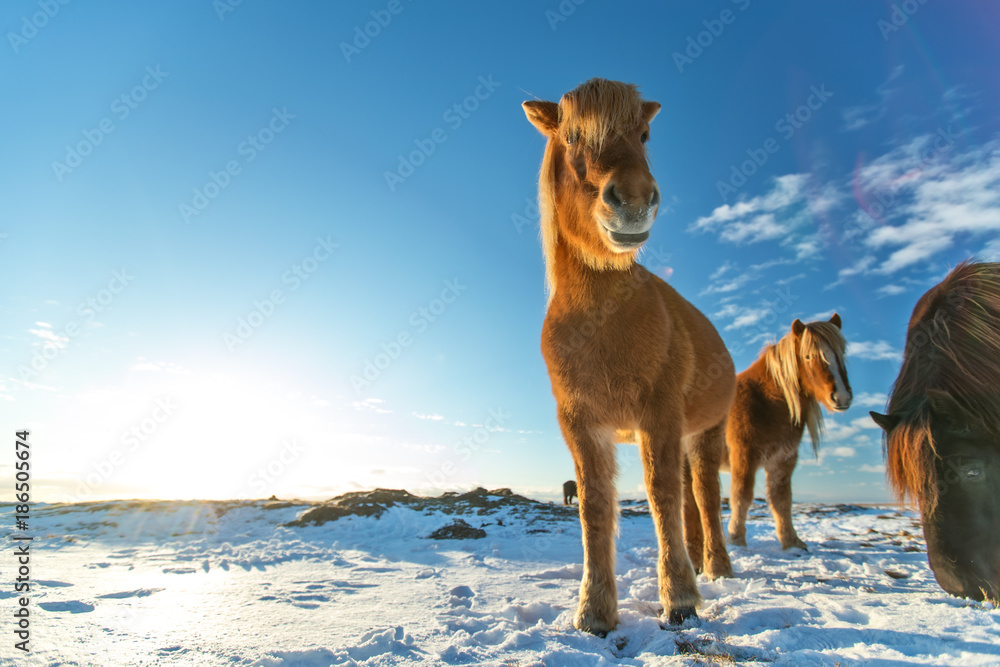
611 197
654 201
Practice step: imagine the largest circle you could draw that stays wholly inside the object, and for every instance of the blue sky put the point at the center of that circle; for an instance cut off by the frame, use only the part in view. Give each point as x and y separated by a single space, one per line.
260 249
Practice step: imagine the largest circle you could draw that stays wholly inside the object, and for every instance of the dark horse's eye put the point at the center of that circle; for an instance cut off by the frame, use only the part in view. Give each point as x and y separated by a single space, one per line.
645 137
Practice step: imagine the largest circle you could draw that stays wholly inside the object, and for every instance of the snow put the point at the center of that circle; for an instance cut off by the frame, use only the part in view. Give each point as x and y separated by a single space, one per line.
229 583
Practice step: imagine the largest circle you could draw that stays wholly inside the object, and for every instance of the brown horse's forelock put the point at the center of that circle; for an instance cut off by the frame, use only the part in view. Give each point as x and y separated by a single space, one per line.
600 109
783 366
955 348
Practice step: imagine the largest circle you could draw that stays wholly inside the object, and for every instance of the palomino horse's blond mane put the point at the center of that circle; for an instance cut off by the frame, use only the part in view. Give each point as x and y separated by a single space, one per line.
592 113
783 366
953 346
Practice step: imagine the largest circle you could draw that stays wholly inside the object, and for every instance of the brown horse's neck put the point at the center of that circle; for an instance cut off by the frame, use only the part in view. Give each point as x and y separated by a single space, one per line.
772 390
580 284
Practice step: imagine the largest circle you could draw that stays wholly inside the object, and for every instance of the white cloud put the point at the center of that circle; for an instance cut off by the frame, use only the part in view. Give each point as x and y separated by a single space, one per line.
48 337
861 115
870 400
873 350
890 290
431 417
843 452
754 220
867 467
865 422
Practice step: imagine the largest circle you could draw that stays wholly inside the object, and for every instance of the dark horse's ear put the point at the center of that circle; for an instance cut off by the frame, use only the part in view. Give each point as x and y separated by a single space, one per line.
835 320
543 115
798 327
885 422
649 111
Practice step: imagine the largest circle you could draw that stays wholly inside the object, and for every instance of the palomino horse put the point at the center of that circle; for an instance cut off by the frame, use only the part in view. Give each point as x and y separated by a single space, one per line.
777 399
629 358
942 430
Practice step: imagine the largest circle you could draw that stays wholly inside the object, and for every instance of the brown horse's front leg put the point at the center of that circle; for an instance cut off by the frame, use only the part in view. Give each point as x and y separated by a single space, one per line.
705 456
693 535
742 472
779 497
662 462
593 452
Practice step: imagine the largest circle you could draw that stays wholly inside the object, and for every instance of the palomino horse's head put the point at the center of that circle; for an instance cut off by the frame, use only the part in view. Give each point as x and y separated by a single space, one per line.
822 372
595 170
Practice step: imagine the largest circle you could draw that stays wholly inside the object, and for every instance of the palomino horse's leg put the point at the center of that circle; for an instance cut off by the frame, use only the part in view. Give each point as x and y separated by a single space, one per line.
662 463
742 471
705 456
593 452
693 535
779 497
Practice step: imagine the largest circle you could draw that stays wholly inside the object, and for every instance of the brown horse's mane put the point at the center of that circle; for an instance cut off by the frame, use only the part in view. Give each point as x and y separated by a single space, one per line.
953 346
782 361
591 113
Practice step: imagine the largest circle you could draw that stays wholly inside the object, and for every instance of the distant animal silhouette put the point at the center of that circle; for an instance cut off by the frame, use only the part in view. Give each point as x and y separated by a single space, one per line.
777 400
569 492
630 360
942 428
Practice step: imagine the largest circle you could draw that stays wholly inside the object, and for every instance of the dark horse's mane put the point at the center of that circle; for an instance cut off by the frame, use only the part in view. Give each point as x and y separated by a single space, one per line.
953 346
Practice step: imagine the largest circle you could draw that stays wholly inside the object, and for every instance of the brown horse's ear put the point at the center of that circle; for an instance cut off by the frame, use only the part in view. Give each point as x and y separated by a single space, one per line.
543 115
835 320
885 422
649 111
798 327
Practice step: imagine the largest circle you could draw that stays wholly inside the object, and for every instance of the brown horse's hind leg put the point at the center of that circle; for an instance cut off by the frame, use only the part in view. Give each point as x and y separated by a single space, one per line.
779 497
693 535
742 471
594 455
662 463
705 456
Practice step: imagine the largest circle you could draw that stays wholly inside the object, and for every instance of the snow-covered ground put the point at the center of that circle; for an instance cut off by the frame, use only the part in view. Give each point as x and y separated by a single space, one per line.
228 583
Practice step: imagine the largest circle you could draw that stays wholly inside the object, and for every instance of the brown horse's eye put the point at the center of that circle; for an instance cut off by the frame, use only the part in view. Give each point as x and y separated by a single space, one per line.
645 137
572 138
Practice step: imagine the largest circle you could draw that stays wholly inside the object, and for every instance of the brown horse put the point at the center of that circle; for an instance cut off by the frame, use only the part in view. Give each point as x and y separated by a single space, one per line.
777 400
629 359
942 430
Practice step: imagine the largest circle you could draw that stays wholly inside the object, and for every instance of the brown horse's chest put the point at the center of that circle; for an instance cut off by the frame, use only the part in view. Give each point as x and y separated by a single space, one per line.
603 362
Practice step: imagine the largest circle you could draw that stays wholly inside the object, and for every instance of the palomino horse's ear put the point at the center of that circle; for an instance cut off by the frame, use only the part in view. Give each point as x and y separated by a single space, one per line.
885 422
649 111
543 115
798 327
835 320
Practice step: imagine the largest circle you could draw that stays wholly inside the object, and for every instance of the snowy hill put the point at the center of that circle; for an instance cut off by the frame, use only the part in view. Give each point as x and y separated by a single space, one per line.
359 581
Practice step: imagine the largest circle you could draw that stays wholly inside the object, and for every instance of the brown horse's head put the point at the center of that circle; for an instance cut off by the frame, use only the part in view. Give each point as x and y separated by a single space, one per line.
942 428
822 372
595 170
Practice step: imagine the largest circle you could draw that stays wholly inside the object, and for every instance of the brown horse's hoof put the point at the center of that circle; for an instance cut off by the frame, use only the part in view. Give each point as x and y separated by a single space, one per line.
679 615
737 541
797 544
595 626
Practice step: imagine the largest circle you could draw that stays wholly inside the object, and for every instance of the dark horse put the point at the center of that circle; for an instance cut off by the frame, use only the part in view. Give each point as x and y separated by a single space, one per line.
630 360
942 430
569 492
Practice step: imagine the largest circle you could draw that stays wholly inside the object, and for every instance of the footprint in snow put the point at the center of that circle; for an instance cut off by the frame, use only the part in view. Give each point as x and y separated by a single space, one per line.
137 593
461 596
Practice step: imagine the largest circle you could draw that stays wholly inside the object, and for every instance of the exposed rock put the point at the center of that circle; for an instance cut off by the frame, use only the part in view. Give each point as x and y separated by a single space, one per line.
458 530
